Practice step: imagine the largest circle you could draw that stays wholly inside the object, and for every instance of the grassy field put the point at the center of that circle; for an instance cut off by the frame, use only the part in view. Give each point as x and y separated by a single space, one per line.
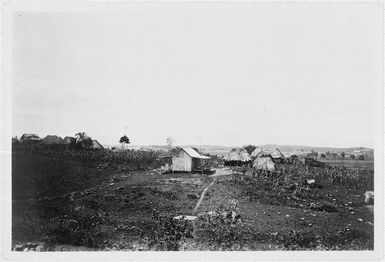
66 205
363 164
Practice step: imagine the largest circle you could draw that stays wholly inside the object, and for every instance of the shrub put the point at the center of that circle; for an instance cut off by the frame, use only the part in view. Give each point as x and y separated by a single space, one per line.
167 231
221 226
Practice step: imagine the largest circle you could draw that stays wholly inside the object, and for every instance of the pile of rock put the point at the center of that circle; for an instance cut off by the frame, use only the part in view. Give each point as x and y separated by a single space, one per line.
29 246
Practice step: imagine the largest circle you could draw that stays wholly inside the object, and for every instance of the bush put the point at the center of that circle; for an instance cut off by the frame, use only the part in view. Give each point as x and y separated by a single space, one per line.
221 226
167 231
76 228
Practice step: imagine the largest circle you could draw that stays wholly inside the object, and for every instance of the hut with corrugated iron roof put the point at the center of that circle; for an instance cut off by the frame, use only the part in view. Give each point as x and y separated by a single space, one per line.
187 159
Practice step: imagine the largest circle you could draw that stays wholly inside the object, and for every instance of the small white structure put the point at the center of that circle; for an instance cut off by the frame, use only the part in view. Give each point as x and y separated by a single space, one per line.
186 160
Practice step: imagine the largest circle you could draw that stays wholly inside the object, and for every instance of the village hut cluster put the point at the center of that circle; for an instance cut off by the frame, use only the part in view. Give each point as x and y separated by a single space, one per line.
260 158
52 140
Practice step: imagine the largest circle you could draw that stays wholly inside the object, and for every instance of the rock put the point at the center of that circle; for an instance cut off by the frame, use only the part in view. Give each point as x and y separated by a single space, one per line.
287 215
360 219
188 218
18 247
370 208
310 181
234 216
369 197
39 248
370 223
26 249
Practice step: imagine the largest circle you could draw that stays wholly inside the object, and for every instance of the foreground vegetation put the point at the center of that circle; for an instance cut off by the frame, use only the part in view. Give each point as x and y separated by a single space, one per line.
68 199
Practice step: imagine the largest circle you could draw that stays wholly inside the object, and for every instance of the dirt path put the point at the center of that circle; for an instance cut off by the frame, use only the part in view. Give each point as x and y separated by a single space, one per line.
222 172
203 195
218 173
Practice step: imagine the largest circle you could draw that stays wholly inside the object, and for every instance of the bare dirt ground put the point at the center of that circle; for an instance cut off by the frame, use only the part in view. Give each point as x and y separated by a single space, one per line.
134 210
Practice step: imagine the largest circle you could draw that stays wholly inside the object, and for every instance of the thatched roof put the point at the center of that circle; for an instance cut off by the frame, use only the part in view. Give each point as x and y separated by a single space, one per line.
237 154
96 145
69 140
256 151
276 153
264 153
52 139
264 163
29 137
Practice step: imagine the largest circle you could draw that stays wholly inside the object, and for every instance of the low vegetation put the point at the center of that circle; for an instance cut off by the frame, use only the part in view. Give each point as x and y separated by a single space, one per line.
104 200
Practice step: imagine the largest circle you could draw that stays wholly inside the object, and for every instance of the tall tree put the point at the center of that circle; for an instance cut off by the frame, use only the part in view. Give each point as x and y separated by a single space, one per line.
124 140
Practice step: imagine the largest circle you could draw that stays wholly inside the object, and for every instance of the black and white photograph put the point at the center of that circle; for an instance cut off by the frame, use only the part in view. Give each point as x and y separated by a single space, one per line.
193 127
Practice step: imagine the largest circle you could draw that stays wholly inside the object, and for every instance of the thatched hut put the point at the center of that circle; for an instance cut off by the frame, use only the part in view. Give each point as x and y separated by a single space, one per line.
68 140
264 162
52 140
237 157
29 138
277 156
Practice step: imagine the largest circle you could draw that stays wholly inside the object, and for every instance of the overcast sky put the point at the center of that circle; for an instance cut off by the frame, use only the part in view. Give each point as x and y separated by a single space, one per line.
203 74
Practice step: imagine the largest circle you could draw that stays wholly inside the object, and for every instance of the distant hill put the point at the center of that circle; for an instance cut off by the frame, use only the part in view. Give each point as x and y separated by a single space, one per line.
297 148
222 150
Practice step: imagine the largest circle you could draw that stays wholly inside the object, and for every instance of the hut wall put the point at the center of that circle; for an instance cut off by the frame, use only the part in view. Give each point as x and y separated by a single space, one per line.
181 162
196 164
